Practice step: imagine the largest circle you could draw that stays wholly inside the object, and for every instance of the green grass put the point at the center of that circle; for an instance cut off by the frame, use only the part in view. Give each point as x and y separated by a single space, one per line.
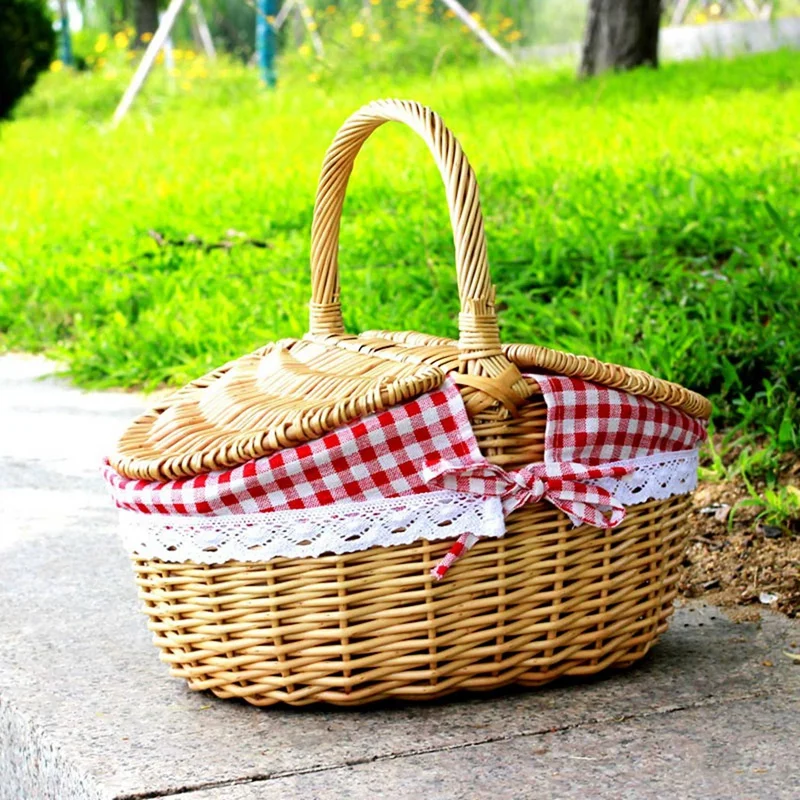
650 219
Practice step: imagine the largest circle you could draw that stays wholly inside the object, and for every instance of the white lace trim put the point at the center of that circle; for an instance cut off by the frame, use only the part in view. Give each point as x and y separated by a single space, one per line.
654 477
300 533
351 527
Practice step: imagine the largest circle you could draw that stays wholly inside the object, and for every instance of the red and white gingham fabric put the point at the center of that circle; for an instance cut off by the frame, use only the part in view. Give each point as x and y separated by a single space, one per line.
591 424
382 455
562 484
460 546
428 444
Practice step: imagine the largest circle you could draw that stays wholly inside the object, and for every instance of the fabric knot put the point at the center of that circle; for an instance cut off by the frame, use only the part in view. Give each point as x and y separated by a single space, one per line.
562 484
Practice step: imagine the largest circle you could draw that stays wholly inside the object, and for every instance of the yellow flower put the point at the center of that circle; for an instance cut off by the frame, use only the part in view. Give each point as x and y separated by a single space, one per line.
375 37
120 40
177 53
330 10
186 86
306 12
129 31
449 14
57 66
357 29
312 26
476 16
506 23
189 55
270 19
715 9
313 77
304 50
375 2
101 44
514 36
146 36
101 62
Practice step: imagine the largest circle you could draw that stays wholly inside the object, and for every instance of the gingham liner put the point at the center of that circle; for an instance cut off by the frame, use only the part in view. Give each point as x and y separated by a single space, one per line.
377 457
590 424
427 445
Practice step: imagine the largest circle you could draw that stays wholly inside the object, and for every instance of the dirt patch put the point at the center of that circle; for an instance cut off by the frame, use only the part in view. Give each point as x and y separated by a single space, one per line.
739 563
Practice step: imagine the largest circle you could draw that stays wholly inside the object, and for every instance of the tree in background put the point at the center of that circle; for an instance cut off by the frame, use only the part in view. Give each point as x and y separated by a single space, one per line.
145 17
620 35
27 46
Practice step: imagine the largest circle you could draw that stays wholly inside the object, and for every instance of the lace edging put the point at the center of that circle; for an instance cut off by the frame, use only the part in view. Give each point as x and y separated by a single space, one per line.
351 527
655 477
328 530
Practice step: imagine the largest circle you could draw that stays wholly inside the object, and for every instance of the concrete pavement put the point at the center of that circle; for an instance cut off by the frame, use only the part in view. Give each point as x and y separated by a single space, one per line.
87 710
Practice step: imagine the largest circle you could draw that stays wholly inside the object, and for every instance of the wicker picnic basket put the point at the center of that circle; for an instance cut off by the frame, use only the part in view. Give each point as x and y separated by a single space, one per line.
544 600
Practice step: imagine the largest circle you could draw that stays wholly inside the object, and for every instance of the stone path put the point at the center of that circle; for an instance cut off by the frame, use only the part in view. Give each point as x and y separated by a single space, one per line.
87 710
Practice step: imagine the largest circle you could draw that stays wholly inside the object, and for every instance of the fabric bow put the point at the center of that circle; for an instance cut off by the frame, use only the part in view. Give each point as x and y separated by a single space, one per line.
562 484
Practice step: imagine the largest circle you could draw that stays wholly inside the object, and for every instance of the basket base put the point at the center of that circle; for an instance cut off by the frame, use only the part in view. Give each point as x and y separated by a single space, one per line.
547 600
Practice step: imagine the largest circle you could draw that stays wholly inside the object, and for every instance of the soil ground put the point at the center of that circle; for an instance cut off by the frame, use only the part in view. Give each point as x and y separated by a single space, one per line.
736 561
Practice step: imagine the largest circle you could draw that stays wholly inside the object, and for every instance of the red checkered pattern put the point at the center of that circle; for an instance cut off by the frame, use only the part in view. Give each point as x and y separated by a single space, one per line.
379 456
562 484
428 444
460 546
590 424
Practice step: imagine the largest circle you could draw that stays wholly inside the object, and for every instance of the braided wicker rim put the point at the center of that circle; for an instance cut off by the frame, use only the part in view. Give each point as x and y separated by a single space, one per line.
534 357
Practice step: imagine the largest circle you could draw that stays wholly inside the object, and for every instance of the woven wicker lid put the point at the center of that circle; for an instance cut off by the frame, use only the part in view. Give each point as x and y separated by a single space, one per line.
280 396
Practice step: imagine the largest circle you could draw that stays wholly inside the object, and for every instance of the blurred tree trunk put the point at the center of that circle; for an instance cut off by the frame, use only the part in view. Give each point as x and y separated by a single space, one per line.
145 18
621 35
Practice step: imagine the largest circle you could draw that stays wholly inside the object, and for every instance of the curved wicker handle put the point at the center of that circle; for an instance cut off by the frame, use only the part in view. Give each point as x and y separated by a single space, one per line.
479 333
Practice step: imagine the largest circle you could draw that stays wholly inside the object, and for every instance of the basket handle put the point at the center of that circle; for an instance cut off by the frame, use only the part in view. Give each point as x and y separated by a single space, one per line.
479 335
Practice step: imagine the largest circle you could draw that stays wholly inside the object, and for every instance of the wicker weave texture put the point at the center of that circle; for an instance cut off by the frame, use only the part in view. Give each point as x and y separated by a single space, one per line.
545 601
263 402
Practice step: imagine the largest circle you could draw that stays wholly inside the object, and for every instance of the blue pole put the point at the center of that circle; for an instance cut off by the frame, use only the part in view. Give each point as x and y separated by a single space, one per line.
66 38
265 40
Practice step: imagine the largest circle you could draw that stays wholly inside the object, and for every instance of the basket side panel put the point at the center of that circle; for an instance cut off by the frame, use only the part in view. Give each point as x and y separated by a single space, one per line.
546 600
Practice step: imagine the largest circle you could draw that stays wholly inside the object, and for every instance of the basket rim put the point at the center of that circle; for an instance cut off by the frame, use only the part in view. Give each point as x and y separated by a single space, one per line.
559 362
129 460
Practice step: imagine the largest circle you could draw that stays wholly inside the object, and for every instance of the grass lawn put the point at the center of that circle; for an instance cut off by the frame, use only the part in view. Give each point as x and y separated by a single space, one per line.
651 219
